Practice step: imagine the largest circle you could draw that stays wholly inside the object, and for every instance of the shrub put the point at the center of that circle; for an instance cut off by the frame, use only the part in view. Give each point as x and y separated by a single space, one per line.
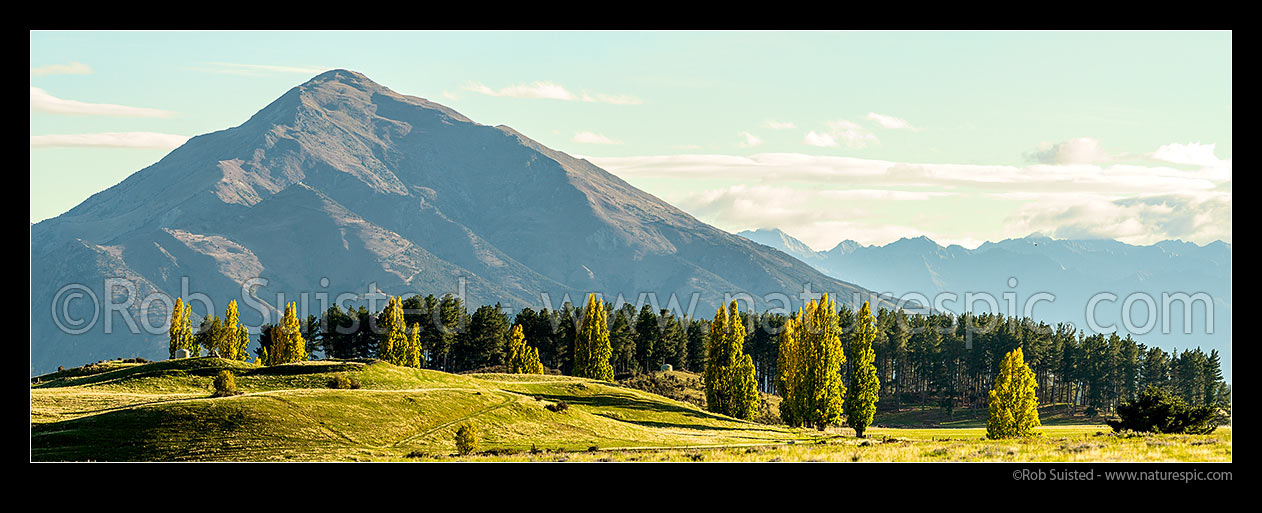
1157 411
225 384
1091 411
343 382
467 439
559 407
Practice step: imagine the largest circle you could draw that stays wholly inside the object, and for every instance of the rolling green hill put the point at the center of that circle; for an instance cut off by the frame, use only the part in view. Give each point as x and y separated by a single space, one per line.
164 411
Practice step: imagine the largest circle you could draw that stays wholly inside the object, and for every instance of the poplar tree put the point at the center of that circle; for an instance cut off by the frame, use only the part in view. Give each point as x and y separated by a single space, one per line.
865 386
591 344
237 336
181 329
789 372
729 376
412 357
522 359
530 361
287 344
823 392
1014 408
393 344
240 342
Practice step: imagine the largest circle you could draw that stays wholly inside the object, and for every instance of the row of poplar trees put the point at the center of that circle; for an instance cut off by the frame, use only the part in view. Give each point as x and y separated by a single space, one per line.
228 338
810 363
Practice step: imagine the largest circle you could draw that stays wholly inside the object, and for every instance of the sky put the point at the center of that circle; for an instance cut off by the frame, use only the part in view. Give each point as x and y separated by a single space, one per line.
963 137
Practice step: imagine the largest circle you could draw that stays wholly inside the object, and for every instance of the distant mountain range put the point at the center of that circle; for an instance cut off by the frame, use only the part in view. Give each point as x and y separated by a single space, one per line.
1072 270
342 185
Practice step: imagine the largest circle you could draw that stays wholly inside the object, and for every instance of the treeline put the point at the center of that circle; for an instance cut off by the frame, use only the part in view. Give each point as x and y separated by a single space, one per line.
940 359
456 341
928 360
951 361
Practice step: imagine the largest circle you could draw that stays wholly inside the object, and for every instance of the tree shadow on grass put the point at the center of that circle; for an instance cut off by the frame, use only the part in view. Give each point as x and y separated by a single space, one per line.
293 370
631 403
699 427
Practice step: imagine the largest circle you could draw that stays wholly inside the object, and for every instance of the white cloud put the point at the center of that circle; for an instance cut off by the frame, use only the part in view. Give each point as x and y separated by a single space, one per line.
550 91
1200 217
740 207
615 99
851 133
254 70
41 101
450 95
890 122
814 138
842 132
749 140
593 138
1132 179
547 90
778 125
150 140
1133 203
1194 154
71 68
883 194
1080 150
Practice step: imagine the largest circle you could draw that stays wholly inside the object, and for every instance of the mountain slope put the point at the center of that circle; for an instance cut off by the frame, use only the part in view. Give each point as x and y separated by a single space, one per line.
342 187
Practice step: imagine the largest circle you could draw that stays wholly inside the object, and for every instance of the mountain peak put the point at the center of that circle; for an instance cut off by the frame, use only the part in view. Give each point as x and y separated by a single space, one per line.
777 238
918 242
845 247
344 76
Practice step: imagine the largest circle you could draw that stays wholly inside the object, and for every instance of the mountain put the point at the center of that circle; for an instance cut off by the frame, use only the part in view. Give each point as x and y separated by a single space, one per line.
782 241
1072 270
341 188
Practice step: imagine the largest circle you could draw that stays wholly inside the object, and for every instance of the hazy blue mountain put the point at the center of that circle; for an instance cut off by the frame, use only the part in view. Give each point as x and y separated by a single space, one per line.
1072 270
340 185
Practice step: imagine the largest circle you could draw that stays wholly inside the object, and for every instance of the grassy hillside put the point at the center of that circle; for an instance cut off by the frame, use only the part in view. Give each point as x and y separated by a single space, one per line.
165 411
690 388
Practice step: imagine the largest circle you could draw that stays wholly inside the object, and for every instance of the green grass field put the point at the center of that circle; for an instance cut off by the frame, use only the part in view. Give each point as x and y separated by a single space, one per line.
163 411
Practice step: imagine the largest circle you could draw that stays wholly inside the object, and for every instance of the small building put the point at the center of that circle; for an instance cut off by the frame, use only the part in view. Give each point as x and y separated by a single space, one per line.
666 367
180 353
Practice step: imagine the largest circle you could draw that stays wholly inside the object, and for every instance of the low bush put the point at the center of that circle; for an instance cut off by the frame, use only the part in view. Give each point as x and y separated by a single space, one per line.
467 439
225 384
1156 410
343 382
